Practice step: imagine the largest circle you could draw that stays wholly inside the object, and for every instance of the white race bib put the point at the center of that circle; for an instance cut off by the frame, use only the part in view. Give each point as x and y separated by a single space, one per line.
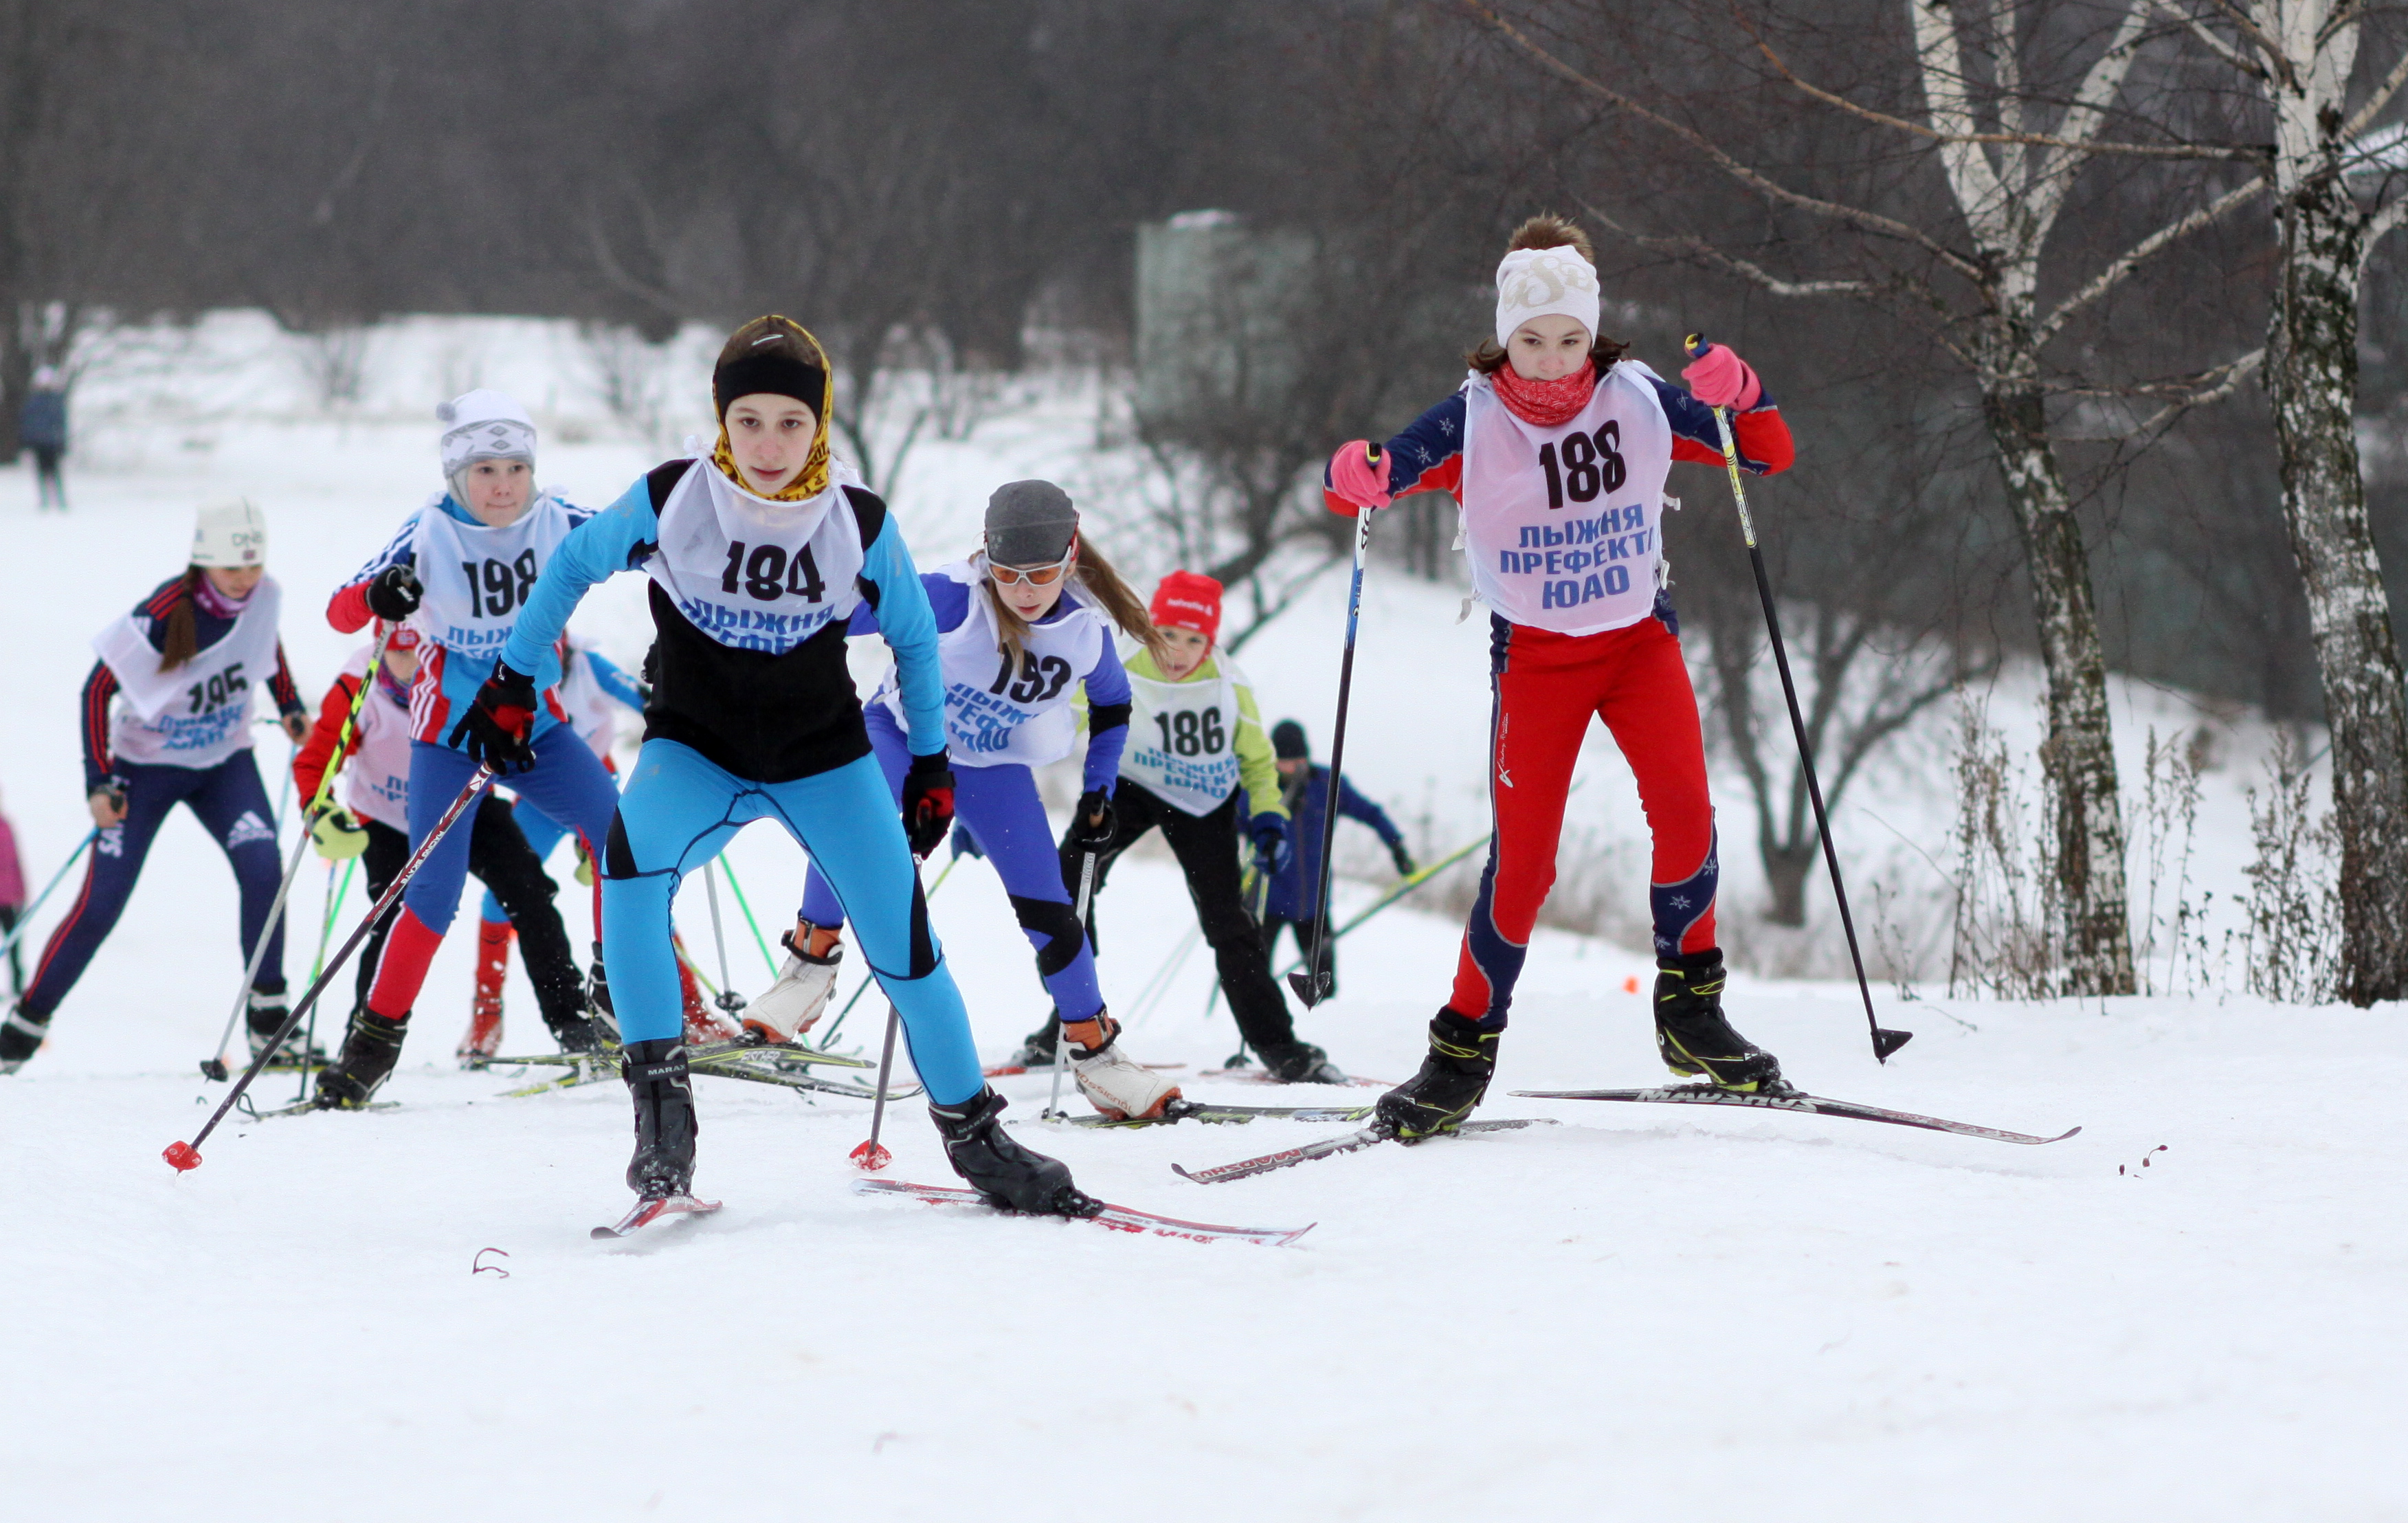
998 710
376 781
593 712
1183 741
1561 524
198 714
476 578
757 575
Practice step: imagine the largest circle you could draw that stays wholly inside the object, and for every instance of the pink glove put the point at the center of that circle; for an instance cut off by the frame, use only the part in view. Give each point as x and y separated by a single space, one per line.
1720 378
1359 479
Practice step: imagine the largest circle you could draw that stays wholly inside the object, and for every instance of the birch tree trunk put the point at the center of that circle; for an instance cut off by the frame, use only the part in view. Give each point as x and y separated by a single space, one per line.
2310 375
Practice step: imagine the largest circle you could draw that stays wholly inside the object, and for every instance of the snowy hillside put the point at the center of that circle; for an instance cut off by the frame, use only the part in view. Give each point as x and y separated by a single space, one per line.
1636 1311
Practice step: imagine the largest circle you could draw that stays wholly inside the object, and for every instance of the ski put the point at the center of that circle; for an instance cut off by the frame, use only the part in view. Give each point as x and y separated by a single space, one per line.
1119 1218
644 1213
716 1052
1006 1071
1793 1101
307 1106
1186 1109
1328 1148
1262 1076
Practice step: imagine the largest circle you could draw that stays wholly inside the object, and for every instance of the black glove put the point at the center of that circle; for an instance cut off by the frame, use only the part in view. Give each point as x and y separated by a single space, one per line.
495 729
928 802
1091 823
1403 858
395 594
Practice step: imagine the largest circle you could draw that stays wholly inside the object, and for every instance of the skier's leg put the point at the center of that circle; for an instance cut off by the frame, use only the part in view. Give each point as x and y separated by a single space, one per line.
1135 812
1206 849
387 850
109 874
1647 703
506 863
232 805
847 821
814 948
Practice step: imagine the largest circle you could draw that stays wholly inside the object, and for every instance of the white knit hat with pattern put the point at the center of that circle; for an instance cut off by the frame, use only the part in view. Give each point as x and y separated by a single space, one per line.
1537 283
231 534
485 425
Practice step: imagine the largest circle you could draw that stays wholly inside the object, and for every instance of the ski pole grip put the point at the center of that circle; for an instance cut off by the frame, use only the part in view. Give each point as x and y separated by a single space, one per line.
1698 345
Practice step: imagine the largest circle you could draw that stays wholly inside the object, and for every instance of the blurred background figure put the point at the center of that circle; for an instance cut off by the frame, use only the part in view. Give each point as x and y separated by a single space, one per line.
1293 901
42 428
12 901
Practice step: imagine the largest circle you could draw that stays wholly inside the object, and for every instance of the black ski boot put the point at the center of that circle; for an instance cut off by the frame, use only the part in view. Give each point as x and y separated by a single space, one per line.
998 1168
1037 1049
21 1033
604 1020
371 1049
1452 1078
1693 1039
1301 1063
260 1023
663 1091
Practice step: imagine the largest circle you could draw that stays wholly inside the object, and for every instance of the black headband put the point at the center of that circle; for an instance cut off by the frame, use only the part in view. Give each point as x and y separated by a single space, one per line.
778 375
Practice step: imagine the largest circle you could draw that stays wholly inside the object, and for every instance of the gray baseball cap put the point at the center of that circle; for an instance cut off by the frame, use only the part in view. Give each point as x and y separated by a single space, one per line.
1029 524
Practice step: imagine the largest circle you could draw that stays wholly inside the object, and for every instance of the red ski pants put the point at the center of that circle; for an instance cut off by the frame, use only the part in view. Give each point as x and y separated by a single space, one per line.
1547 687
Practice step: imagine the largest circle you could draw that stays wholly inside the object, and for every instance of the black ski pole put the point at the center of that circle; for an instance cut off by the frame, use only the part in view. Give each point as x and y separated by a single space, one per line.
187 1156
1311 986
1886 1042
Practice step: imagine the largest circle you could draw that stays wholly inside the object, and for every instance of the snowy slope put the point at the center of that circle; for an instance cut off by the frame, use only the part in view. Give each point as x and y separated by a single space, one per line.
1640 1312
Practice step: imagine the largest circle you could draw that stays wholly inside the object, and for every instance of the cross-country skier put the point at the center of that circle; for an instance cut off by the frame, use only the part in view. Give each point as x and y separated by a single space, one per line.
1023 624
591 690
166 721
1291 901
1194 735
376 828
461 569
1557 447
758 556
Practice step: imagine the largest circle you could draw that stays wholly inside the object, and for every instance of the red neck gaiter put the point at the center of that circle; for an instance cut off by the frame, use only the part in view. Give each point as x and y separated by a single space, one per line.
1545 404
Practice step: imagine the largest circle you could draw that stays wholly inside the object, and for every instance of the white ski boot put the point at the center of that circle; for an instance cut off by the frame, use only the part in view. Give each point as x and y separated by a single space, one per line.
800 997
1113 1084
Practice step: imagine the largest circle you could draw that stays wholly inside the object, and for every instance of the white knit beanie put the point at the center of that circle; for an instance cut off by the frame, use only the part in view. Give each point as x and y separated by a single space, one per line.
484 426
1537 283
231 534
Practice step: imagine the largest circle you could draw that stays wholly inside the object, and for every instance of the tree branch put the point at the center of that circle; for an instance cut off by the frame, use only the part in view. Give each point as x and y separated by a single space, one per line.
2378 228
1706 253
2132 259
1871 222
2234 372
2377 101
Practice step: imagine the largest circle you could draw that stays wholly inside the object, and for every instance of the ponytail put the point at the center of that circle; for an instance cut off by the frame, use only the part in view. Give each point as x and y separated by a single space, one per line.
181 639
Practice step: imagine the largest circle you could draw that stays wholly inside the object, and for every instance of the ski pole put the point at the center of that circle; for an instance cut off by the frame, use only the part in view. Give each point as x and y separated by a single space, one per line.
26 918
869 979
335 896
726 998
214 1067
758 940
183 1156
1884 1042
1053 1110
1313 987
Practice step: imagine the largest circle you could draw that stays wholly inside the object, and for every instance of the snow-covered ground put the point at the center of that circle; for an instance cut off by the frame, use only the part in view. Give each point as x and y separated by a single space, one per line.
1639 1312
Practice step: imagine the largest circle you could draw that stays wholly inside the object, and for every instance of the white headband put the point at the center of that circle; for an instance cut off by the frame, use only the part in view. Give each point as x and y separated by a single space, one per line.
1537 283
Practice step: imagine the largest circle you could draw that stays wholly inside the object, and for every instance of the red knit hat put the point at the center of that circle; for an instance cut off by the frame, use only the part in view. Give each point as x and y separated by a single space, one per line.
1189 601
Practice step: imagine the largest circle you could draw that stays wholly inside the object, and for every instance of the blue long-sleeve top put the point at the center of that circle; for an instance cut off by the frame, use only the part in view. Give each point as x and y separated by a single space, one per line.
1106 681
771 715
1292 889
615 684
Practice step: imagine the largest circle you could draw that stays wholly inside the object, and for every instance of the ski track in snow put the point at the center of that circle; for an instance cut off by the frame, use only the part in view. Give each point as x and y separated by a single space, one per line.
1643 1312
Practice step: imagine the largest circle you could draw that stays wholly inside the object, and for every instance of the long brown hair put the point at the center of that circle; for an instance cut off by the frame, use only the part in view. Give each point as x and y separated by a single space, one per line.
181 639
1094 574
1548 231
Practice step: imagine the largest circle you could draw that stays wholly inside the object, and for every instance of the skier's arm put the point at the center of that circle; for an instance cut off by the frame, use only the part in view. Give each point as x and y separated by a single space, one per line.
1108 718
348 610
1356 807
98 764
1759 437
892 586
614 684
287 693
1426 457
318 752
1257 767
619 538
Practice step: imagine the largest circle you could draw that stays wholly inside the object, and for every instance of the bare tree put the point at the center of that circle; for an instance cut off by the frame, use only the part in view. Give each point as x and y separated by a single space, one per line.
2008 140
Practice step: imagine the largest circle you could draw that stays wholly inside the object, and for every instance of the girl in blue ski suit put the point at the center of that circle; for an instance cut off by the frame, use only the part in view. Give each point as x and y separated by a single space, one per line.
1015 652
461 571
758 558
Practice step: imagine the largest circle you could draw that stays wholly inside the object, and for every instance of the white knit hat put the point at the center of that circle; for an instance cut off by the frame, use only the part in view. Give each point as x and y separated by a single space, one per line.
231 534
1537 283
484 426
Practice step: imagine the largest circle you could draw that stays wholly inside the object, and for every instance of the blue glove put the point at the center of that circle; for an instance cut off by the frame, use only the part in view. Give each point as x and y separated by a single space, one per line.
966 845
1272 849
